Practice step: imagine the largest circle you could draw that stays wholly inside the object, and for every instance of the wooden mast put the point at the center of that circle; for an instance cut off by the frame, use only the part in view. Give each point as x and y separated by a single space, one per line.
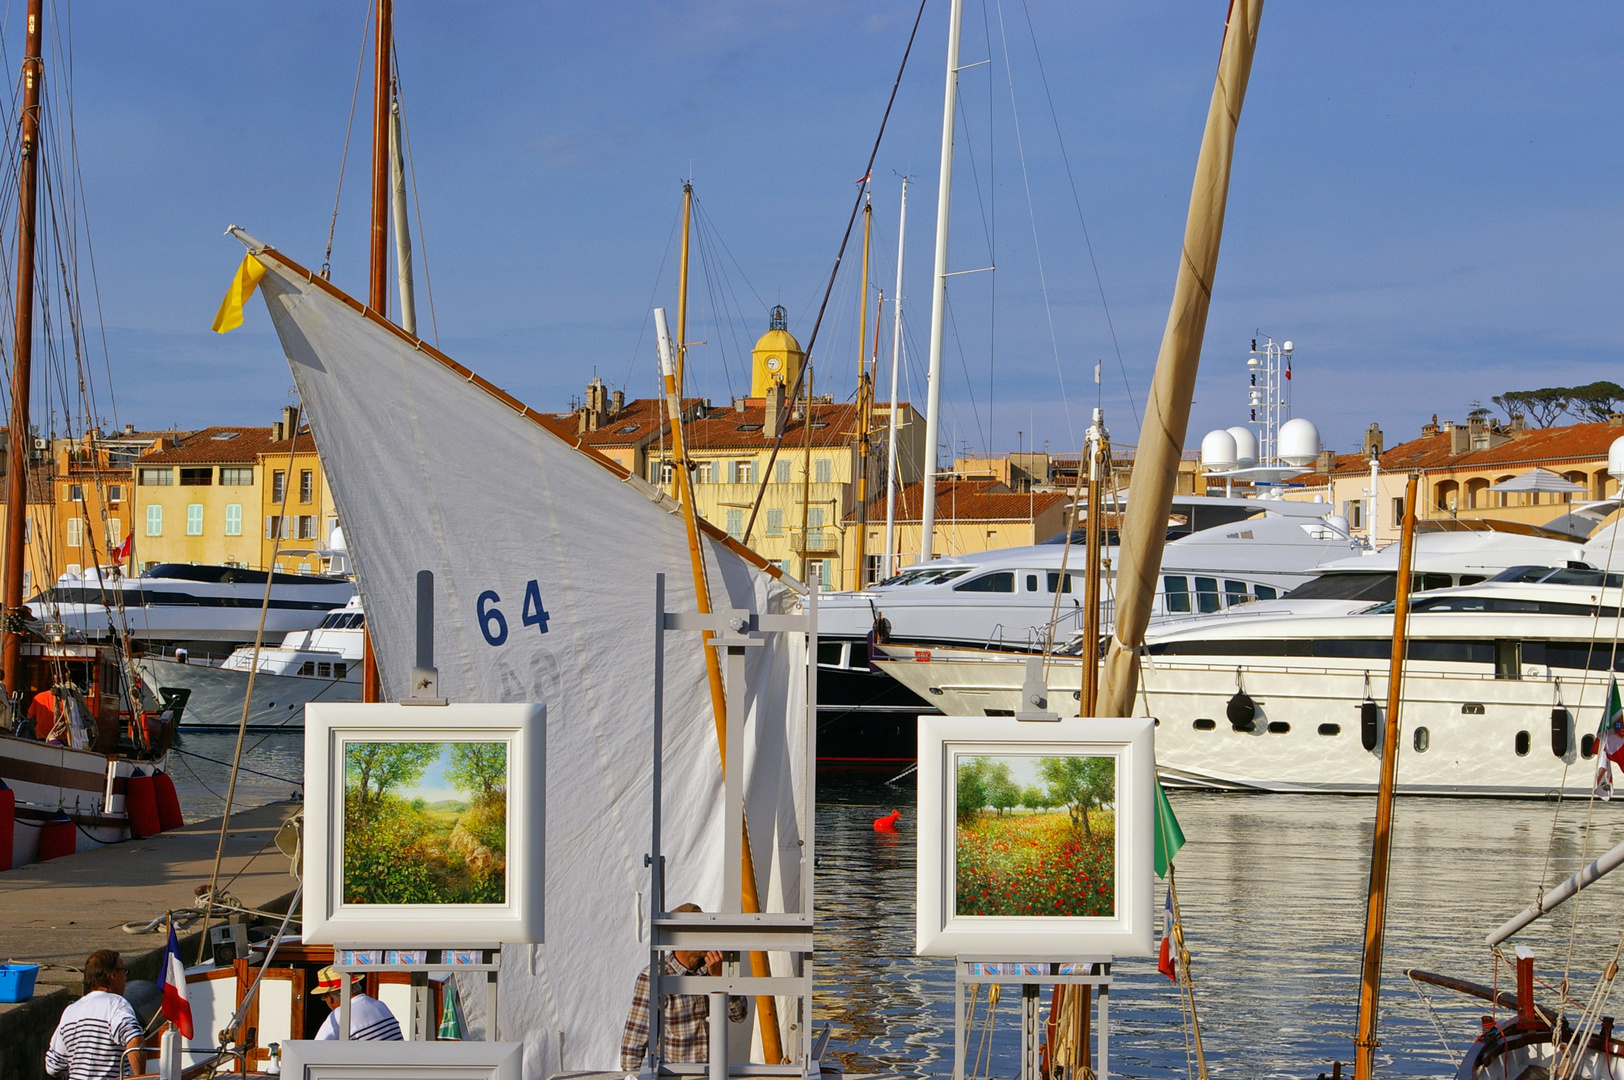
1098 452
378 276
865 401
673 360
22 351
1381 850
1167 414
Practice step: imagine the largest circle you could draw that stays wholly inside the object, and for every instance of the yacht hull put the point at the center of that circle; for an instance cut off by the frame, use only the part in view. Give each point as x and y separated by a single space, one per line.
49 779
217 693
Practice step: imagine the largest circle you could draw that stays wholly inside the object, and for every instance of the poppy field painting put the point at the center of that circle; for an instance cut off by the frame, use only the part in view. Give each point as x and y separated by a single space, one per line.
1035 835
425 822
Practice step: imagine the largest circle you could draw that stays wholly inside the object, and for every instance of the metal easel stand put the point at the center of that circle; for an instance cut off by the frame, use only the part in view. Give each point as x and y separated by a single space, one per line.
1030 975
420 1025
732 931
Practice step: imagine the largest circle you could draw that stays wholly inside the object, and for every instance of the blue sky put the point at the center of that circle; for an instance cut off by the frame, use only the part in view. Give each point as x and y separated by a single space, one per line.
1426 196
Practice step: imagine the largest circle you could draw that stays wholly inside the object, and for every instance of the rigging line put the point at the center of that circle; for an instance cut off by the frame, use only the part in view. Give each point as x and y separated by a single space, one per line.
1043 281
706 272
417 204
648 308
1081 220
332 227
723 241
857 204
708 227
965 365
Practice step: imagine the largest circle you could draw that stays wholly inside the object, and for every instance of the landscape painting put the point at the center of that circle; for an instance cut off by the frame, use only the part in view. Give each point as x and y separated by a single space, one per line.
1036 835
425 823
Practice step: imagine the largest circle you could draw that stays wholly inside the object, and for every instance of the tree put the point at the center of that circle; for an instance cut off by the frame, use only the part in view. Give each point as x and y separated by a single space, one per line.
1544 407
375 768
1002 790
478 767
1033 798
1079 784
972 787
1596 401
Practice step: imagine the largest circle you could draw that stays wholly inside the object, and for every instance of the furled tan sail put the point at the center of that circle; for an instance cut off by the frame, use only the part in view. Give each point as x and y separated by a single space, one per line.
1167 415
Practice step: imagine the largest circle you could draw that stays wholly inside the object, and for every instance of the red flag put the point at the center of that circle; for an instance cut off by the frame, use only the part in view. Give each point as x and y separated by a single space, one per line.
1164 962
1288 369
122 552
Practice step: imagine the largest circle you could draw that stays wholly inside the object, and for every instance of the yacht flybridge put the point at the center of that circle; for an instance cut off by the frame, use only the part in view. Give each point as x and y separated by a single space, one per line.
1503 680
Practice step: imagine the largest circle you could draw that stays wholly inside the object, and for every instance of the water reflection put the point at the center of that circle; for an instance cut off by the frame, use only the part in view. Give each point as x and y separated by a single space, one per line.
1272 889
273 770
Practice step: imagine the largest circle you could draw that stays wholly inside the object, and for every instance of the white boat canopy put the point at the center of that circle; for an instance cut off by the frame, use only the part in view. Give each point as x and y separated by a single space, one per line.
1538 480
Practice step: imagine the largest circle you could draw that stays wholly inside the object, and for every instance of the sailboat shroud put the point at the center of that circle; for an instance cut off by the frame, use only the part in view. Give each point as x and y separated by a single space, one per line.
433 468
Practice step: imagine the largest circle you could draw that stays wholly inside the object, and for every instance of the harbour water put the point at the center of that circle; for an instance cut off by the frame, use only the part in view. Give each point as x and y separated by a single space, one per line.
1272 891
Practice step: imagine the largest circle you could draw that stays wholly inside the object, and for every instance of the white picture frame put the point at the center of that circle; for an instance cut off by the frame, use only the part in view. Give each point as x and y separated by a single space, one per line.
330 1059
516 919
1128 931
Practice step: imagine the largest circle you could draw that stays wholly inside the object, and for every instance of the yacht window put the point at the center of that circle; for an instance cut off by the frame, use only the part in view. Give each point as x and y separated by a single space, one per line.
1054 579
307 668
354 621
1001 581
942 576
829 653
1423 739
1522 744
1234 593
1423 582
340 670
1596 656
1592 578
1032 583
1373 587
1508 662
1206 594
1470 579
1178 592
1522 573
859 654
1264 592
324 671
1330 729
330 622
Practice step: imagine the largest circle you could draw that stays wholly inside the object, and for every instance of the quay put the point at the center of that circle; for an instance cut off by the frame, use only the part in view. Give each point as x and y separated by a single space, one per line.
57 913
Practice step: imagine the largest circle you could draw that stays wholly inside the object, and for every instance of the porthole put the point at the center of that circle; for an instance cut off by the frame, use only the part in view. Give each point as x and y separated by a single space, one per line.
1278 727
1587 746
1330 729
1523 743
1471 709
1204 724
1076 695
1423 739
937 690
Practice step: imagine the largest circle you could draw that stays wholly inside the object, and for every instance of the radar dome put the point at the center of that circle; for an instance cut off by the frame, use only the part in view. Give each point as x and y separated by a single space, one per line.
1299 442
1218 451
1245 446
1615 458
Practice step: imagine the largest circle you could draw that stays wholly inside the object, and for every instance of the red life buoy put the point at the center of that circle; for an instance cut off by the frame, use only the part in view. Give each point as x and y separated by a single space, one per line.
8 824
169 816
57 837
141 806
888 823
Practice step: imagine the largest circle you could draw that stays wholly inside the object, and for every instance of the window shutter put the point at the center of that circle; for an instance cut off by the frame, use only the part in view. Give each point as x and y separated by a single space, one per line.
270 527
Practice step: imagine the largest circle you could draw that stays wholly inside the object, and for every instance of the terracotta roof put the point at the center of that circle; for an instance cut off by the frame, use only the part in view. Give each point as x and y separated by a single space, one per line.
1526 449
732 429
970 500
306 445
217 446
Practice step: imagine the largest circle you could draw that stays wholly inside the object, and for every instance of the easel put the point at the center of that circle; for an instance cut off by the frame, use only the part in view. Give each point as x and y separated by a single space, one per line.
733 931
1031 975
420 1025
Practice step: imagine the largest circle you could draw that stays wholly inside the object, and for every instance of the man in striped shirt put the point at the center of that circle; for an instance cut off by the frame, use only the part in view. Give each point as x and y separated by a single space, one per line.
369 1017
98 1033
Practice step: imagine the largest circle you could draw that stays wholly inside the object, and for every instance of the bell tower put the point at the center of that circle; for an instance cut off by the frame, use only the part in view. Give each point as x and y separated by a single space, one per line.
777 357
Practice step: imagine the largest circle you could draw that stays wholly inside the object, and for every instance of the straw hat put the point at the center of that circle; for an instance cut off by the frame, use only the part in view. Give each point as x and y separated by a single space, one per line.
329 981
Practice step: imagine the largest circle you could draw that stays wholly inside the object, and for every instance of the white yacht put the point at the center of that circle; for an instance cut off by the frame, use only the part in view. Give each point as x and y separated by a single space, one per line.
206 610
320 664
1504 680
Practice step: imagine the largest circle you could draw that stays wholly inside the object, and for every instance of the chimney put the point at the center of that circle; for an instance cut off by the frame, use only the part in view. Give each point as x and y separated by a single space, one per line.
1460 438
1615 419
1373 442
775 411
290 421
276 431
1327 461
738 404
619 400
129 429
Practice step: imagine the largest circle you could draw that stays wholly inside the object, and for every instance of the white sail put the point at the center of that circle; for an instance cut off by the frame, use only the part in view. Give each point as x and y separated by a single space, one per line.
432 468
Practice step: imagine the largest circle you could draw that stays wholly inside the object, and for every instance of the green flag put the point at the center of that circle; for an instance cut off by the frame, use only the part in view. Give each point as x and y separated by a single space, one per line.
450 1015
1169 837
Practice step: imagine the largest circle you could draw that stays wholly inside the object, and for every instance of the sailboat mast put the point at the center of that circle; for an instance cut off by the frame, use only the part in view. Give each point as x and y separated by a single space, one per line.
865 400
397 200
891 423
378 267
1370 977
938 300
22 346
1098 449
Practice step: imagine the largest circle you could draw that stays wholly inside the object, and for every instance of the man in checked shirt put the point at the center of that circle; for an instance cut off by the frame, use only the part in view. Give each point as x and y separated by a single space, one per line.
685 1019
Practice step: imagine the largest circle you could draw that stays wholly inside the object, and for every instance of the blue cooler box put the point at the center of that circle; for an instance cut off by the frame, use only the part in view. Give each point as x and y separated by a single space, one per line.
17 981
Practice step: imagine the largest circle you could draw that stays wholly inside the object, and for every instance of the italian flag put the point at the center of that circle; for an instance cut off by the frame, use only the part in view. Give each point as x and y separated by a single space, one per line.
1164 962
1609 742
172 983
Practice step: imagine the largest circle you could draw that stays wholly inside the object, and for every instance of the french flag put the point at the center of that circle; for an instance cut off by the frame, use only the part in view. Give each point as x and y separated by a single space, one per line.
1164 962
172 983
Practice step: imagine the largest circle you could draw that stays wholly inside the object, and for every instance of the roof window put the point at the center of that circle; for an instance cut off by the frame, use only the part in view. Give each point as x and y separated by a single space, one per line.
627 430
222 436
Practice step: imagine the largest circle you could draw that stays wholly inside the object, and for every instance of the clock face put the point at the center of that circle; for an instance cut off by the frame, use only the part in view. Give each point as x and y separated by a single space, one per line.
773 363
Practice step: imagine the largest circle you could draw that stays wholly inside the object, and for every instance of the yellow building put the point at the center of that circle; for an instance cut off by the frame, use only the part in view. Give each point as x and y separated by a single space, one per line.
777 357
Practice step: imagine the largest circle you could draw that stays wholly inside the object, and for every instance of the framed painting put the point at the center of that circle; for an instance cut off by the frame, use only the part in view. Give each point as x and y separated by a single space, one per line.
1035 838
425 825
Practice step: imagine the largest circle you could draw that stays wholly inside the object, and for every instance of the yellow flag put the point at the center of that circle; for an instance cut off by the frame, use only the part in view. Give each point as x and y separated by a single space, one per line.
242 287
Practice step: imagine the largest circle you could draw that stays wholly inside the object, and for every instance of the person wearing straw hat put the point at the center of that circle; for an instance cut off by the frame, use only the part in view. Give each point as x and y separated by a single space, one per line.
370 1019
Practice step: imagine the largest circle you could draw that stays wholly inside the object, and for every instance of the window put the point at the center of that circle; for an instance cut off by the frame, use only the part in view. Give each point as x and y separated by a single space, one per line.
197 477
706 471
115 532
1354 511
775 523
1000 581
159 477
155 521
1398 510
194 519
814 529
1234 593
735 523
744 472
115 493
307 526
76 532
332 527
822 470
1054 579
236 477
783 472
76 493
307 668
1031 583
234 519
1264 592
1177 589
276 527
1206 594
279 486
307 485
340 670
818 570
